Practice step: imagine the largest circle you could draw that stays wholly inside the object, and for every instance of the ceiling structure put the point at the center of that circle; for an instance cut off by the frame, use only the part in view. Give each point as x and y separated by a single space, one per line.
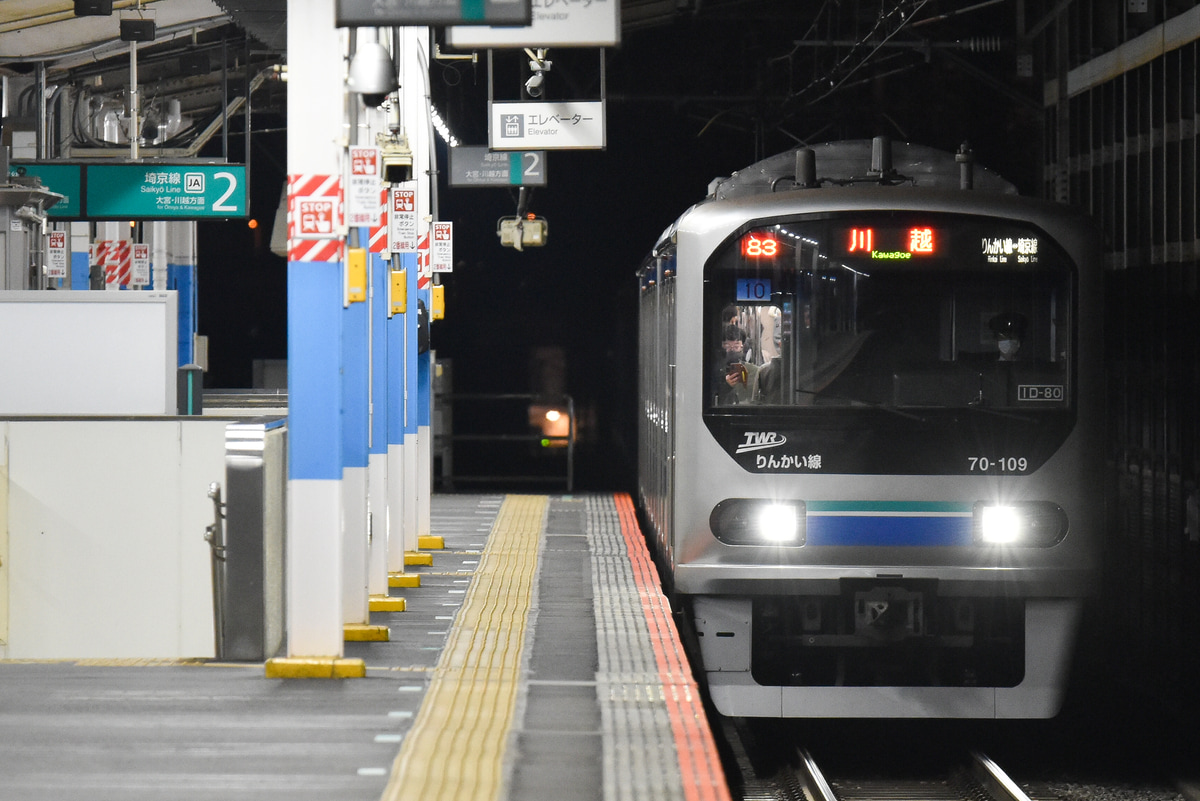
786 51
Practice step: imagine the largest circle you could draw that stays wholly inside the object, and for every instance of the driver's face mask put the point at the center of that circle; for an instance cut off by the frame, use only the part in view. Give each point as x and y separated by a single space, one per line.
1008 346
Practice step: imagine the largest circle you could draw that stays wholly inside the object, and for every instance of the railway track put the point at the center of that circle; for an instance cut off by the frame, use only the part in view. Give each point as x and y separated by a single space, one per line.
979 778
791 773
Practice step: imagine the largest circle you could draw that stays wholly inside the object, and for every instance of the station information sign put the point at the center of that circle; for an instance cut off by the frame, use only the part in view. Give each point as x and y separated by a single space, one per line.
555 23
65 179
146 191
154 191
479 166
386 13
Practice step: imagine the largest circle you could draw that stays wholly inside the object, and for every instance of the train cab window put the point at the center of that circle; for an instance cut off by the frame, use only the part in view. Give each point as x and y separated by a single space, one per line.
890 309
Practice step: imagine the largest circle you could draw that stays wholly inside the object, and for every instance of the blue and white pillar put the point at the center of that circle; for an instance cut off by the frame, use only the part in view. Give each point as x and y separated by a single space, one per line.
411 408
414 67
316 103
397 416
356 398
377 458
181 277
425 437
81 264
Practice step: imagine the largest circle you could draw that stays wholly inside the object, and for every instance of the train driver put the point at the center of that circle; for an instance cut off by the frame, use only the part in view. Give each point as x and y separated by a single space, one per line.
1009 329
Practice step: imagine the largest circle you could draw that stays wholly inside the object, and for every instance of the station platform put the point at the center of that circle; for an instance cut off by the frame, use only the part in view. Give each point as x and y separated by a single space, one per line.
536 660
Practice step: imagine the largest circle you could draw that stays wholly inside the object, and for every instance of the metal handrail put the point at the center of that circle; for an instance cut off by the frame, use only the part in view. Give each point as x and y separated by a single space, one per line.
566 400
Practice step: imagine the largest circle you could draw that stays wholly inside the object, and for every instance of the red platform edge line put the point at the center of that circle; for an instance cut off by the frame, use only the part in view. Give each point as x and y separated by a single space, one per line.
699 764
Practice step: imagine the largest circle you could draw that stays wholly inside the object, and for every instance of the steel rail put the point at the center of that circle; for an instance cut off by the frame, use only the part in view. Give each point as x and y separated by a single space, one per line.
994 780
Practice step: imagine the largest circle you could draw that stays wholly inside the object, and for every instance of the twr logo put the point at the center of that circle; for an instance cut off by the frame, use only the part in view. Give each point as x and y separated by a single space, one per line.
760 440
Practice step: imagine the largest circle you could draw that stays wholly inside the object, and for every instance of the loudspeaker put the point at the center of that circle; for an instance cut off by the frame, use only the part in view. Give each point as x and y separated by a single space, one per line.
137 30
194 63
93 8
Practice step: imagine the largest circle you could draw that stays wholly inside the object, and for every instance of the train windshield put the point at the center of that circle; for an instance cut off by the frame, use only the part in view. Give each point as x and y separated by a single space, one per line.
893 310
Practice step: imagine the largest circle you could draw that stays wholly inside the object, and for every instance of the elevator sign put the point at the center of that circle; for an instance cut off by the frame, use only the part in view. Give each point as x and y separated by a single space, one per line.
571 125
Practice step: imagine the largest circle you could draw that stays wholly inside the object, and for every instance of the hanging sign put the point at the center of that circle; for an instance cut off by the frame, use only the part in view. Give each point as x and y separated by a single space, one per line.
441 249
479 166
165 191
573 125
555 23
388 13
402 218
362 187
56 255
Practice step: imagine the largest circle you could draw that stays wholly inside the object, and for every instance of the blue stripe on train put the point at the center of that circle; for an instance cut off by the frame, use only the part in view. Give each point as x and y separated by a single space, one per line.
888 530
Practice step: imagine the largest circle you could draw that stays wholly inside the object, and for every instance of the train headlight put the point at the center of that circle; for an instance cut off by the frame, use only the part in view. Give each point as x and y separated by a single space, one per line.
1037 524
778 522
754 521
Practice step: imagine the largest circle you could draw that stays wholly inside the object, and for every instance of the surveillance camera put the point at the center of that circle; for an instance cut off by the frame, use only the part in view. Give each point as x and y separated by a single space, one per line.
373 74
534 85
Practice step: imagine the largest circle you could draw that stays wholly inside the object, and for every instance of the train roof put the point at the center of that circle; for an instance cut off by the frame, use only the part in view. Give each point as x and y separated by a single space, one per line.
861 161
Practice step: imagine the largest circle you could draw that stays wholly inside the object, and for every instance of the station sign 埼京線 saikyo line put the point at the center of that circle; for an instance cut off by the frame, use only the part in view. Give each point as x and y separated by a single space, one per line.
165 191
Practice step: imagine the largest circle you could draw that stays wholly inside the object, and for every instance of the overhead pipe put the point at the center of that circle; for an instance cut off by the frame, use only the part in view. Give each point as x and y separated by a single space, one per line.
135 127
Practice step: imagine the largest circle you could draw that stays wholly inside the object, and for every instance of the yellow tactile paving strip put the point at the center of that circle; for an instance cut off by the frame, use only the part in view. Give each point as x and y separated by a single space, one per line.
455 750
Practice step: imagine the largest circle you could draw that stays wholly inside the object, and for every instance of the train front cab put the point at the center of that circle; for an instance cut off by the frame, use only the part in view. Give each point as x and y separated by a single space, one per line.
892 518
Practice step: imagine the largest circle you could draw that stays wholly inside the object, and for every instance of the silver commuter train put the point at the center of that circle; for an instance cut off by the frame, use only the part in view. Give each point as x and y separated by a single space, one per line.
886 500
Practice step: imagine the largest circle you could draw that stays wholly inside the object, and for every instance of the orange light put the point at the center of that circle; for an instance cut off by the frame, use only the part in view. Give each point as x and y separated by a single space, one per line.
252 223
762 246
920 240
862 239
531 216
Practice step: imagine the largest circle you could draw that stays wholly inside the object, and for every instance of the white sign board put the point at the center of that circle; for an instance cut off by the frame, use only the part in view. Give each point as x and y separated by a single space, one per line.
139 274
572 125
56 255
556 23
96 353
402 218
362 188
441 249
